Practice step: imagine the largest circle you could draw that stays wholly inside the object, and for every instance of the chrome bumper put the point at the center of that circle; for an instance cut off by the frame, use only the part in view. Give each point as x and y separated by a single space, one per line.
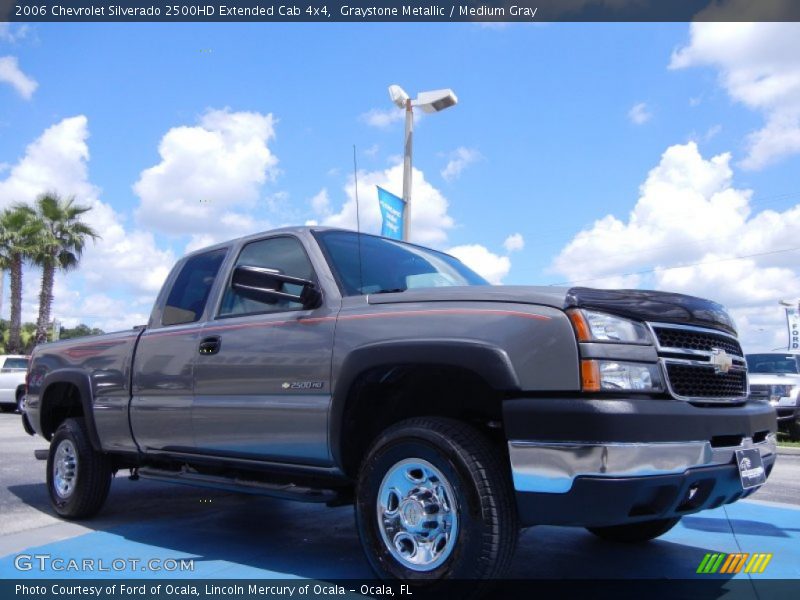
551 467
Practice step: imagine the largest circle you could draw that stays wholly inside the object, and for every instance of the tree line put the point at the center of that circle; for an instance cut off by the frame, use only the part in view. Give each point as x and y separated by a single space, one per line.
50 235
28 332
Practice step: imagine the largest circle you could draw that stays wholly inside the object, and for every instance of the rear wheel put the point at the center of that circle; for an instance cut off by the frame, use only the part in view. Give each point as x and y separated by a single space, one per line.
633 533
434 501
78 477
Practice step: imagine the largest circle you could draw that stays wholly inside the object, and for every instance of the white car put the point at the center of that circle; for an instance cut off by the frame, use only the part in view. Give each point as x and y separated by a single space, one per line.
775 377
13 368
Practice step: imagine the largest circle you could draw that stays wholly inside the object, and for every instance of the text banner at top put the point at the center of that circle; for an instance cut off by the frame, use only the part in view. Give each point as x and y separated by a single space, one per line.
519 11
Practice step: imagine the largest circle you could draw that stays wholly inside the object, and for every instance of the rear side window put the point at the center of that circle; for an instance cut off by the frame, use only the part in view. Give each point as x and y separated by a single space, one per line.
189 293
15 363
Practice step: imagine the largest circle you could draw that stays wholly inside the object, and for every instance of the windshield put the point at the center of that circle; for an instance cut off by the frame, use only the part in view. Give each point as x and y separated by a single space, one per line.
390 266
16 363
773 363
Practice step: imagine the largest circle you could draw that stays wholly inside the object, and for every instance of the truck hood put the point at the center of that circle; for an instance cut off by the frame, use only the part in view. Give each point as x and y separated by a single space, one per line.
646 305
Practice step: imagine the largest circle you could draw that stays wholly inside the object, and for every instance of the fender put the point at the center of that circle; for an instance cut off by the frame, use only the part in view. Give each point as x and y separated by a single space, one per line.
489 362
81 380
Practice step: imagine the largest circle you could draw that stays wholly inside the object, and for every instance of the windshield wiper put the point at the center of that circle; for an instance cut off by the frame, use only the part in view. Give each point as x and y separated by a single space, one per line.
393 291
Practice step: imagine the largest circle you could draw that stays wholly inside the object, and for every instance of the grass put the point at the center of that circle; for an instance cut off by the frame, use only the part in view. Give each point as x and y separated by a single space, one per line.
783 440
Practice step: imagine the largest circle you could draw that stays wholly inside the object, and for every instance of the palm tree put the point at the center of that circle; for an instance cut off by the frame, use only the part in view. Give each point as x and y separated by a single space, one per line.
59 245
19 230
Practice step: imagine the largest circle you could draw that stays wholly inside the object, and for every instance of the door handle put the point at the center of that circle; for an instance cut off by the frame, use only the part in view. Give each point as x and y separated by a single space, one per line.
210 345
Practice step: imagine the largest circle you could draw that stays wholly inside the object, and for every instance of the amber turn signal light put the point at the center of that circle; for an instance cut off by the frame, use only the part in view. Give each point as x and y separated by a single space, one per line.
582 330
590 376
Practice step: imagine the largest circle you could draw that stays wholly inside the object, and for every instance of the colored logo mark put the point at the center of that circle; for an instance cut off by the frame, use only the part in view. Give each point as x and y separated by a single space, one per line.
733 563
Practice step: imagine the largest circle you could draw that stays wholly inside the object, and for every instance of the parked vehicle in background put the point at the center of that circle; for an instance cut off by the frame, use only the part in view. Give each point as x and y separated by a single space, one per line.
775 377
12 381
326 366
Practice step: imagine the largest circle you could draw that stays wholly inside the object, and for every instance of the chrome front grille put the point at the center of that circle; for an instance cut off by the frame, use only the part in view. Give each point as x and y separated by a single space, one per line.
669 337
703 382
701 365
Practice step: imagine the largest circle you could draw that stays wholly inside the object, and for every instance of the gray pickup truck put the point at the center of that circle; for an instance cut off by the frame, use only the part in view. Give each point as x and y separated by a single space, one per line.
322 365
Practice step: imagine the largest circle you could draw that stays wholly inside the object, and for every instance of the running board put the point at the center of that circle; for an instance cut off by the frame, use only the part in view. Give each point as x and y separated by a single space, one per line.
287 491
41 454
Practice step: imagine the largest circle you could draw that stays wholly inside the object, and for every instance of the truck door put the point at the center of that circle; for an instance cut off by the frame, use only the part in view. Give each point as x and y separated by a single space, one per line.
262 383
162 391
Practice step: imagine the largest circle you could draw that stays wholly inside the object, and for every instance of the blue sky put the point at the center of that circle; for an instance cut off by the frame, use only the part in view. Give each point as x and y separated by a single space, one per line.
557 127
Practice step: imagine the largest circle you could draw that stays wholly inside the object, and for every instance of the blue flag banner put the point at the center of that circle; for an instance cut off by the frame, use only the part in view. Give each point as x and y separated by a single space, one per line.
392 213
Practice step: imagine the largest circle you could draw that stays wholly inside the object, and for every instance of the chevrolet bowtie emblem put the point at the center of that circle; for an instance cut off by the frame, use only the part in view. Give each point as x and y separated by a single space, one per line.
721 360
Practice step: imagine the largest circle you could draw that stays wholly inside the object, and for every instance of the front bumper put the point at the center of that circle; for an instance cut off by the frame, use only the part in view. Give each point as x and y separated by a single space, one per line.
603 462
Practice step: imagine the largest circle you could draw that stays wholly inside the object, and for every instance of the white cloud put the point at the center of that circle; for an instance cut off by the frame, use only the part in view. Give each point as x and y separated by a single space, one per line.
484 262
11 74
712 132
638 114
13 34
429 219
460 159
98 310
122 260
514 243
758 67
383 118
321 203
210 173
689 212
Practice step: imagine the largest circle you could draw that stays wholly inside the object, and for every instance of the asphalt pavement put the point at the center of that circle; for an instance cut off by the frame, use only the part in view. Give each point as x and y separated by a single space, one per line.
238 536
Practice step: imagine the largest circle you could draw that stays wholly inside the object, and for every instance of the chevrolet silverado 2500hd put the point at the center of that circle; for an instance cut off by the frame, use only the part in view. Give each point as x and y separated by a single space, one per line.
322 365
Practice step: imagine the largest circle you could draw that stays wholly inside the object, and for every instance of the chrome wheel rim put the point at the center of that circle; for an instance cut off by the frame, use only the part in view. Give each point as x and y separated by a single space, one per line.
65 469
417 514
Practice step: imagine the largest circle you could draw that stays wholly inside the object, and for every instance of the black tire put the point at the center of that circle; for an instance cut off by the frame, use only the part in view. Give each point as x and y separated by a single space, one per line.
483 498
634 533
20 396
793 430
91 478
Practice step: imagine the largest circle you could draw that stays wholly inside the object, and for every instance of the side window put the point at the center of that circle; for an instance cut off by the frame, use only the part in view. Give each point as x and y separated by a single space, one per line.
283 253
189 293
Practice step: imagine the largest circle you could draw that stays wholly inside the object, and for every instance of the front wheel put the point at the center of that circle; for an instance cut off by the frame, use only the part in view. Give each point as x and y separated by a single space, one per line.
20 399
634 533
434 501
78 477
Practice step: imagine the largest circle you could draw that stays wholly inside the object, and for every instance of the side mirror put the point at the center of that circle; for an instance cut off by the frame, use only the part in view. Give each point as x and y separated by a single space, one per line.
266 285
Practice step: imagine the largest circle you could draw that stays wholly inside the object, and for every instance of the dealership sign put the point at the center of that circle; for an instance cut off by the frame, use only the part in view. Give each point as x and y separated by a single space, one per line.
392 214
793 322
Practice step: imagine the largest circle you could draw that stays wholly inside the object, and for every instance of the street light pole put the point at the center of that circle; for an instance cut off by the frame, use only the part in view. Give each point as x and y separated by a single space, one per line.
407 169
429 102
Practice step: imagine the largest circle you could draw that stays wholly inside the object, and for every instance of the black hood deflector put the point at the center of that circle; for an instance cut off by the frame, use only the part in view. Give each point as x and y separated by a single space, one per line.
648 305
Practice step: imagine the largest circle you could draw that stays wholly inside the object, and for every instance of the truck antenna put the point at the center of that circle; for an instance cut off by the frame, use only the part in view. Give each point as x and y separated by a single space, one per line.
358 225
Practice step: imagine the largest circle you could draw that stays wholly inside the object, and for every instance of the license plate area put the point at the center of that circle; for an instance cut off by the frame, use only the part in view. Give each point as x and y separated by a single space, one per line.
751 468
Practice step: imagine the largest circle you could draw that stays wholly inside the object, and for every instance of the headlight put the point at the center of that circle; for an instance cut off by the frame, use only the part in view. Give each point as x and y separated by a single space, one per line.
776 392
591 326
612 375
